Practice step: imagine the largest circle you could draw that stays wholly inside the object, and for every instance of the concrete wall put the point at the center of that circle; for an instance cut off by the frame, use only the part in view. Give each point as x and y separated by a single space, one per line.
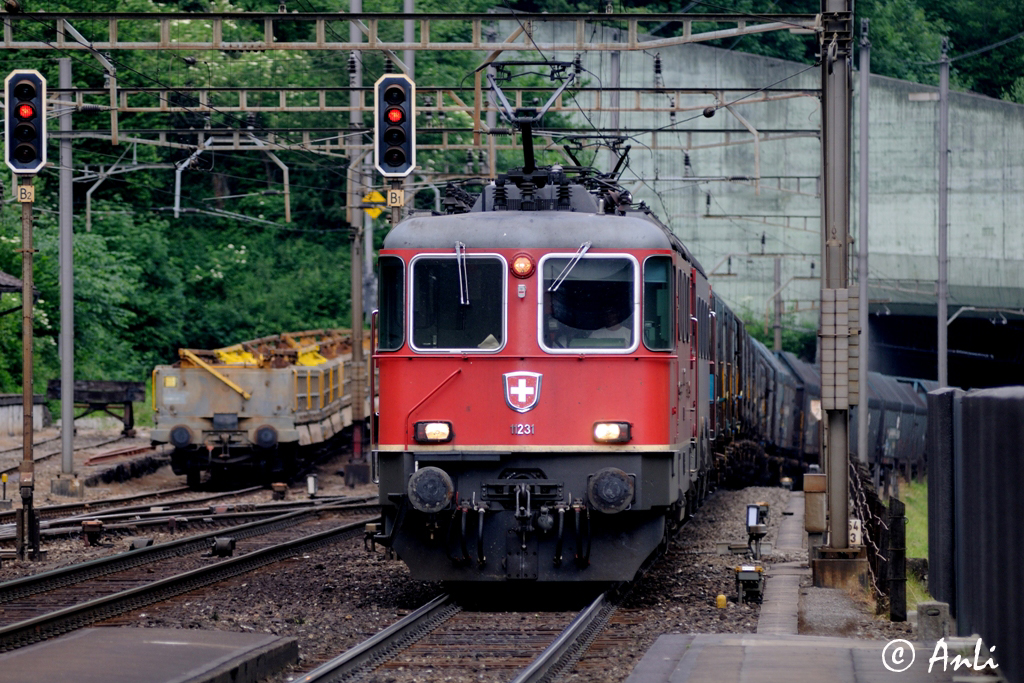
11 417
720 218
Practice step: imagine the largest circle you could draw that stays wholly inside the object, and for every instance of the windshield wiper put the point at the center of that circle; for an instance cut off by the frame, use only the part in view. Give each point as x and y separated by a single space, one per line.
569 266
460 258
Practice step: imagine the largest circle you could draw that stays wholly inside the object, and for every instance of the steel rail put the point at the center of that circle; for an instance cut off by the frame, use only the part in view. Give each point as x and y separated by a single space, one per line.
115 524
377 648
45 456
89 514
70 618
85 509
571 642
156 511
66 576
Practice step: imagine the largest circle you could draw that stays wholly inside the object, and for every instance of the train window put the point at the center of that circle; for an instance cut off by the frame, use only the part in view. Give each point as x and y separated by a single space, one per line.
701 329
680 310
698 339
458 303
391 331
687 313
658 301
593 306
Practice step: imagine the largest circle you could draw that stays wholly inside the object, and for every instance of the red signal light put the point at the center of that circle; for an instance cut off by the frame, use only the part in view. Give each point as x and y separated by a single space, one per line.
395 115
26 111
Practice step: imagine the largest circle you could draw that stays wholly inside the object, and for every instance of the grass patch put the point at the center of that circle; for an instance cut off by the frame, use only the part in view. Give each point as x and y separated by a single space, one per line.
916 592
915 496
144 411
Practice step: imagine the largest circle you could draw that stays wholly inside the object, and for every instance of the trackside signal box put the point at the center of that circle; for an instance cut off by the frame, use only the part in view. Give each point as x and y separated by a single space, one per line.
25 121
394 125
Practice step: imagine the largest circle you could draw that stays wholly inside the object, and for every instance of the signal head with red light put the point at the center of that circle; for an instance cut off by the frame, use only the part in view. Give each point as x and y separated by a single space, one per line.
25 94
394 126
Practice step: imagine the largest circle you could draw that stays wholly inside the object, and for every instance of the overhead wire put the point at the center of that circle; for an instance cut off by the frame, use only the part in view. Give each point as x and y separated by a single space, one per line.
635 137
120 64
200 208
307 152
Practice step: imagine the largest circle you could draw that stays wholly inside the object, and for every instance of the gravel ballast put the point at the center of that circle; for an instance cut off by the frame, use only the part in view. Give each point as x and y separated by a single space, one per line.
335 597
332 599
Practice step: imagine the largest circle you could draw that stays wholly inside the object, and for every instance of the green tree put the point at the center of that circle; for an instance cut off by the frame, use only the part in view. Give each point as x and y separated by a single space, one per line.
800 339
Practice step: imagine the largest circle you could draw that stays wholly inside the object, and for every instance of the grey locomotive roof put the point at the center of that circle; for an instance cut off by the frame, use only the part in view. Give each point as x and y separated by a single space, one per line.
533 229
540 229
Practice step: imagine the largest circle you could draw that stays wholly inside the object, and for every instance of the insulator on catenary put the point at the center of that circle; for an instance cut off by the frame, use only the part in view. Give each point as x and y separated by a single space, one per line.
577 65
352 64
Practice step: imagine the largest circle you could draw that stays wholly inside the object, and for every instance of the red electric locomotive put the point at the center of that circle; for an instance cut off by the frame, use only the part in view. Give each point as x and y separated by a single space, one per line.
545 383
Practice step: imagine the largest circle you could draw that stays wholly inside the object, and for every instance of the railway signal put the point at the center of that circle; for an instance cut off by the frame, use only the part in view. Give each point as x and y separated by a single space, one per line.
394 125
25 95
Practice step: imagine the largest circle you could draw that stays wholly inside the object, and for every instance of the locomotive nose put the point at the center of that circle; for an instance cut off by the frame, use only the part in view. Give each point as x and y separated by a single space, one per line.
610 490
430 489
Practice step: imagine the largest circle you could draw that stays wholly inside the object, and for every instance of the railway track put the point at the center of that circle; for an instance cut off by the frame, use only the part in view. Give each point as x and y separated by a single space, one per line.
121 503
39 457
175 516
444 640
46 605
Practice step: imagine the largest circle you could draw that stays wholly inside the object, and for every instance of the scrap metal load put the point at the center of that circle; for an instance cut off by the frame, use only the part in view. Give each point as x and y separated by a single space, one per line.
255 408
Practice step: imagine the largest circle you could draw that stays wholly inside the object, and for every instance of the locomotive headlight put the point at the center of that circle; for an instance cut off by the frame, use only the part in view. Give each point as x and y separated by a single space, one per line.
433 432
522 266
612 432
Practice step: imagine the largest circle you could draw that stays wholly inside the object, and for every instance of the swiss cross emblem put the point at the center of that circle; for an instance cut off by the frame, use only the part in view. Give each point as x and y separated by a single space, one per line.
522 390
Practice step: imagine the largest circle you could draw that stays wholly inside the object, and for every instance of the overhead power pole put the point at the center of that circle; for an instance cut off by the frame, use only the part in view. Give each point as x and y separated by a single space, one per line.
862 264
777 280
67 482
357 471
836 82
943 313
28 520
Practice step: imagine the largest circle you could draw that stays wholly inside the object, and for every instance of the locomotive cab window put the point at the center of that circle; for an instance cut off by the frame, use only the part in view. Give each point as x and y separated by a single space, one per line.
658 303
458 303
392 303
589 303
